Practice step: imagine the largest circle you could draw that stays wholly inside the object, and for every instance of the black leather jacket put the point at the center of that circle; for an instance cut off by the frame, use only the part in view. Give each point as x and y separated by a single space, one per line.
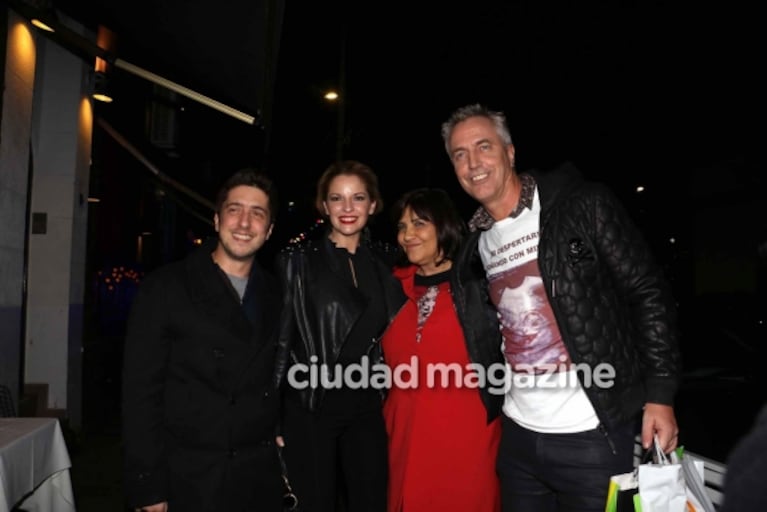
479 320
610 299
320 308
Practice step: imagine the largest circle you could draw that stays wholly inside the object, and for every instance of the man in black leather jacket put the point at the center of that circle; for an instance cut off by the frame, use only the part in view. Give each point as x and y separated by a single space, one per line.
587 318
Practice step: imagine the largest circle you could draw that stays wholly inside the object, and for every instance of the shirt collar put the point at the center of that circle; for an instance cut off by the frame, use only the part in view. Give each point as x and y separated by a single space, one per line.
483 220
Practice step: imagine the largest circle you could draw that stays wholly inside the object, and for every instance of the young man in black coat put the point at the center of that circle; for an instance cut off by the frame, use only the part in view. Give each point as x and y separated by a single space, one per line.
199 411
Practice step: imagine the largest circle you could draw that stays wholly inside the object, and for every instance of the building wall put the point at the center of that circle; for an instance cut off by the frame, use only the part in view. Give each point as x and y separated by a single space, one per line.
45 147
15 129
61 133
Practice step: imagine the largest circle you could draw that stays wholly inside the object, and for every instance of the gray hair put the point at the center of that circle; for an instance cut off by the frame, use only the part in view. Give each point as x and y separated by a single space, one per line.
475 110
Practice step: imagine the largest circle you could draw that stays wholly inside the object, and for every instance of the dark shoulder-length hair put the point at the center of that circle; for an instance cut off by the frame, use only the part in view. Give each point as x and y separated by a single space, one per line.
434 205
348 168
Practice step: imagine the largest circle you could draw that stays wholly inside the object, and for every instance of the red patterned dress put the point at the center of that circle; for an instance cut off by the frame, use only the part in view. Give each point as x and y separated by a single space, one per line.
441 449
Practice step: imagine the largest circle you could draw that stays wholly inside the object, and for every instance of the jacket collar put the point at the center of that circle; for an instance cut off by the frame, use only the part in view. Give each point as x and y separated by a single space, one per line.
214 296
551 185
556 183
482 220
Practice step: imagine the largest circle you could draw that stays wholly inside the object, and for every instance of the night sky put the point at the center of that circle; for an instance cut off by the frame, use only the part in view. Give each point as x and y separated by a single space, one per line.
650 93
632 92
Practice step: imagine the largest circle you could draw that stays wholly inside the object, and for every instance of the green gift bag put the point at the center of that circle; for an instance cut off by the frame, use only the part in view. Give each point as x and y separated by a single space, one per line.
620 495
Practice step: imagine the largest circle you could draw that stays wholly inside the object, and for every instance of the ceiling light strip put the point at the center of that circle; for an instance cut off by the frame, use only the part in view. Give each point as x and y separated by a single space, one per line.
189 93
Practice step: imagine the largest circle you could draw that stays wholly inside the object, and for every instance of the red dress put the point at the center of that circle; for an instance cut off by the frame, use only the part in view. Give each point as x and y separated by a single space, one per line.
441 450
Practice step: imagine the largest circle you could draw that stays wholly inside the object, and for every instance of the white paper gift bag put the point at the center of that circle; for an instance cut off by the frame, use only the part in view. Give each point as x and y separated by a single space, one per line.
662 485
662 488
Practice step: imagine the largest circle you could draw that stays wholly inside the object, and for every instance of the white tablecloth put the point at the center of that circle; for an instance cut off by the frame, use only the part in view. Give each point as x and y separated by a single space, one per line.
34 457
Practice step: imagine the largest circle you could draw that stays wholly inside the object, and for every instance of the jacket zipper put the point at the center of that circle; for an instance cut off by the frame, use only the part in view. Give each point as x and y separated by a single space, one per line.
602 430
565 339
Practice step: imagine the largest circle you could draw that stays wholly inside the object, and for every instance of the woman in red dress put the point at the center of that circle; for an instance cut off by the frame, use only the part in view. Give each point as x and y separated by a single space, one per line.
441 415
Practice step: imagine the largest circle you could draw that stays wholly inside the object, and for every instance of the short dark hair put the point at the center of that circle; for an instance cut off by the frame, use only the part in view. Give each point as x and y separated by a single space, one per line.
252 178
348 168
435 205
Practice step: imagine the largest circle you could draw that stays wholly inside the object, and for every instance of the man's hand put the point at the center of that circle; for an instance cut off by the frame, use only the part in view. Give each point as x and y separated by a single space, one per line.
157 507
659 419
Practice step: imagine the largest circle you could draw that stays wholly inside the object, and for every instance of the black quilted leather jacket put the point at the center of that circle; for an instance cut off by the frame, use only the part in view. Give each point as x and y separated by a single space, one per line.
320 308
611 301
479 321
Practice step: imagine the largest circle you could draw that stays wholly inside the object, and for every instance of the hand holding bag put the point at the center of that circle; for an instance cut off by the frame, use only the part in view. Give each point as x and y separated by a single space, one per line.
675 483
661 485
623 491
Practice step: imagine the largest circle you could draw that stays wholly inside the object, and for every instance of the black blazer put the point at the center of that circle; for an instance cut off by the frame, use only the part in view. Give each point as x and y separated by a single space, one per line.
199 411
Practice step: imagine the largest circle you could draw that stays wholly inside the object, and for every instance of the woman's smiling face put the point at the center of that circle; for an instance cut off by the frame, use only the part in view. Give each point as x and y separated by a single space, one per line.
348 207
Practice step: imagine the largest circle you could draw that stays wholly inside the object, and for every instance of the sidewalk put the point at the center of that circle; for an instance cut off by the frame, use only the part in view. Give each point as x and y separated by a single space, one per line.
96 473
95 450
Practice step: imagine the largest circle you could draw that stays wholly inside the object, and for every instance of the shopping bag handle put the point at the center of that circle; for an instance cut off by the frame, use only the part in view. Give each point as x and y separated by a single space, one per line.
659 456
654 453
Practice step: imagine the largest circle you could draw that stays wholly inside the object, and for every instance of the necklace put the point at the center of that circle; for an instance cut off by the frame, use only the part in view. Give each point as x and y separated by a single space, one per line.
354 274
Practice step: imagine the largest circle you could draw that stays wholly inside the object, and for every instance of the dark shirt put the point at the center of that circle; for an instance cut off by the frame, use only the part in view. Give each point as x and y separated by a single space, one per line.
360 272
432 280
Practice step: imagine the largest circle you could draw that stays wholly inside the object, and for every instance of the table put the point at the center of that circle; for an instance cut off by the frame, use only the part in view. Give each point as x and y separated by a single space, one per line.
34 459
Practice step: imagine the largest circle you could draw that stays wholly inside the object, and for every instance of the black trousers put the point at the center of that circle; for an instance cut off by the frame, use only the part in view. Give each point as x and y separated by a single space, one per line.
337 459
560 472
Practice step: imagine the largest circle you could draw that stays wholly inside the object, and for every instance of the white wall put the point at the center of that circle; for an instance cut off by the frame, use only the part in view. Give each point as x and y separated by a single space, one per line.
61 133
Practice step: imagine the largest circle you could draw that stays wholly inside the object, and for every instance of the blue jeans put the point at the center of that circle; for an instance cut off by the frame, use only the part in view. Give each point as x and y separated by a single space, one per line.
560 472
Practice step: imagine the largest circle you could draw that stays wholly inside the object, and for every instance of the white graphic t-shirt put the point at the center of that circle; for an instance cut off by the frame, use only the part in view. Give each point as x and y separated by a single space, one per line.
544 393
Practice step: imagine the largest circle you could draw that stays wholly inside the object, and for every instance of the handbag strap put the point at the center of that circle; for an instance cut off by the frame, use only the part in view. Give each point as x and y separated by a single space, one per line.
290 500
283 469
